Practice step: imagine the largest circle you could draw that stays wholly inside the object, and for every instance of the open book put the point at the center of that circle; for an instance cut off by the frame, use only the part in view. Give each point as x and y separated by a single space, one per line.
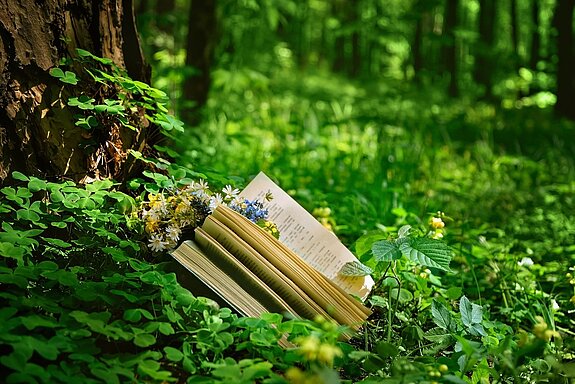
253 272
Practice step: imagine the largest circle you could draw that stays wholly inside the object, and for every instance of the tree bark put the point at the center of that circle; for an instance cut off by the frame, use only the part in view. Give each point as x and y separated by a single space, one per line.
200 51
566 59
37 133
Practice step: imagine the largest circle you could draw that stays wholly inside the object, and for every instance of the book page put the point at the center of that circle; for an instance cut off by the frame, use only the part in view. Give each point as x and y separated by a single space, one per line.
325 292
304 235
270 275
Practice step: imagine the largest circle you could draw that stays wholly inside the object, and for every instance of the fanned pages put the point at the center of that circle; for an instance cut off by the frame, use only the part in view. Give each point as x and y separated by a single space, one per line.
253 272
342 307
304 235
193 259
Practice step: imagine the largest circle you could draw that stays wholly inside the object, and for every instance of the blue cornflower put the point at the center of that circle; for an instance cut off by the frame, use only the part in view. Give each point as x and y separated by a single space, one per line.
252 210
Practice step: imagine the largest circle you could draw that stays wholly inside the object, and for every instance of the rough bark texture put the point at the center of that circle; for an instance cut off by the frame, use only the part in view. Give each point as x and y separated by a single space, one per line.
37 132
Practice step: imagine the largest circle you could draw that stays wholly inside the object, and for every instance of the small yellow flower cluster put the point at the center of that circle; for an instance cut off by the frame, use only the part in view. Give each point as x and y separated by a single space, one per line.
165 214
270 227
541 330
314 350
437 225
323 215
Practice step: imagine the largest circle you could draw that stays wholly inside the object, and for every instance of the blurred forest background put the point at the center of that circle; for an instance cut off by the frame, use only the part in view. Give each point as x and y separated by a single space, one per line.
387 112
455 117
460 105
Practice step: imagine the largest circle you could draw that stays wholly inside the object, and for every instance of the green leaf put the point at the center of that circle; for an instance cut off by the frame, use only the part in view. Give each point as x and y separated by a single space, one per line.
83 102
19 176
441 315
404 295
84 53
24 214
144 340
365 242
385 349
427 252
470 313
57 242
453 293
56 72
166 329
34 321
173 354
69 78
385 250
355 269
12 251
404 231
36 184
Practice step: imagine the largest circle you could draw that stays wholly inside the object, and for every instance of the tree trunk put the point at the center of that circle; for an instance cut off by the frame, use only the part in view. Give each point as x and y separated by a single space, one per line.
450 46
515 31
355 19
199 57
534 56
37 132
566 59
485 46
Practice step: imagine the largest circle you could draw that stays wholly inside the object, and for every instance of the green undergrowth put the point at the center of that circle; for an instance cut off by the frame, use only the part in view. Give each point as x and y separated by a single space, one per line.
83 298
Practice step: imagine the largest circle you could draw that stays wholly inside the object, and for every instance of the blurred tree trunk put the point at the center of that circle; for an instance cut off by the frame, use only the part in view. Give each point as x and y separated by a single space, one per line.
199 57
417 48
164 9
355 21
484 52
338 64
515 32
534 56
37 133
450 46
565 74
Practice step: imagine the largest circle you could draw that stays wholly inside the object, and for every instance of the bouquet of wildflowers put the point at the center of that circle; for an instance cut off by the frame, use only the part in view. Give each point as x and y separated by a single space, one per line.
165 215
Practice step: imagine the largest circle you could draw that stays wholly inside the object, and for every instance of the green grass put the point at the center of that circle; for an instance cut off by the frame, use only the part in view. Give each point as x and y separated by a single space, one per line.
384 154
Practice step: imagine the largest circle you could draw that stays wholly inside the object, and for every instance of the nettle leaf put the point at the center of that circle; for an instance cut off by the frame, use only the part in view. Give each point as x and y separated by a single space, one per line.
441 315
364 243
355 269
427 252
385 250
469 314
404 231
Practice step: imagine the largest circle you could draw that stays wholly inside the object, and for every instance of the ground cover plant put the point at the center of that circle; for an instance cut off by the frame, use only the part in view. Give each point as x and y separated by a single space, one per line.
89 295
444 170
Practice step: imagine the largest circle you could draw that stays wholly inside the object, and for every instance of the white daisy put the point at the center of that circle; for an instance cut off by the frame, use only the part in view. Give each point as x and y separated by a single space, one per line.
157 244
174 233
215 200
230 192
